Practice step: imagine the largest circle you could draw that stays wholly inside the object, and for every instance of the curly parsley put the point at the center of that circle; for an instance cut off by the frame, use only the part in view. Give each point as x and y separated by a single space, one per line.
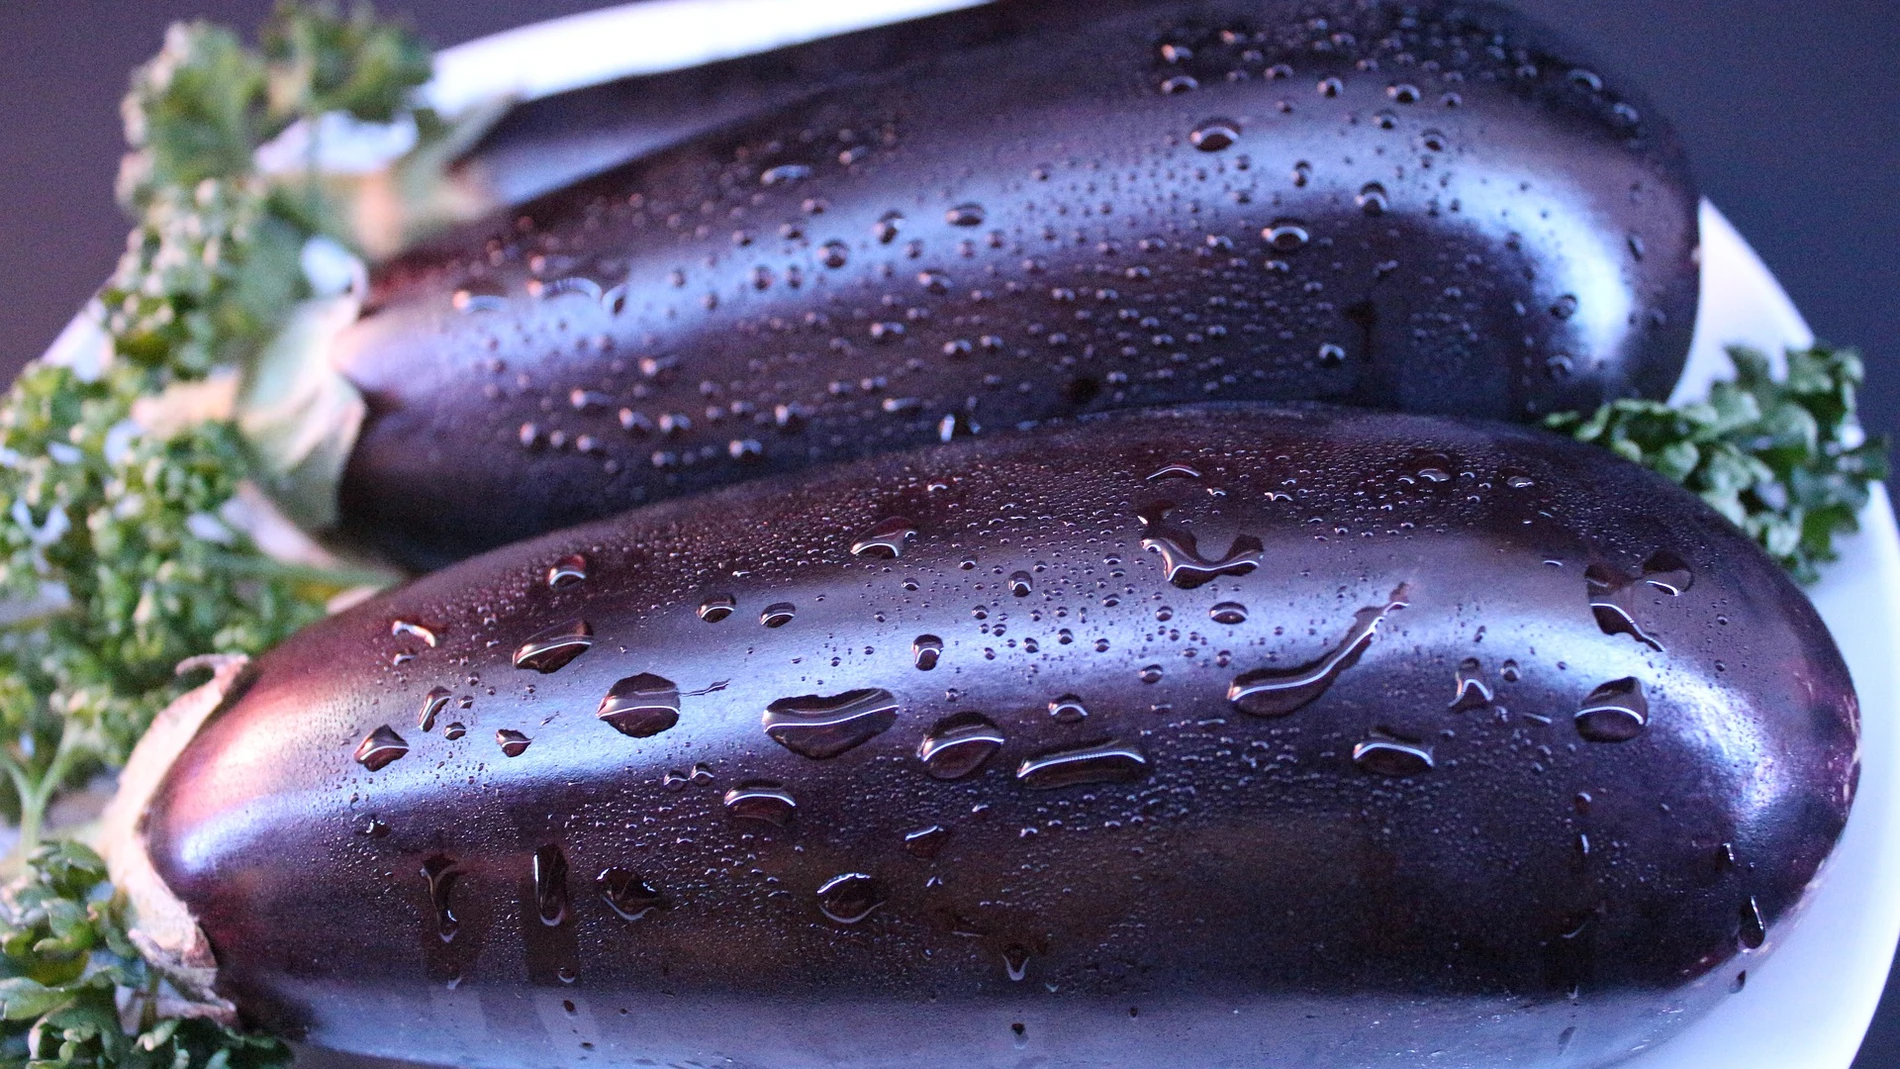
1783 459
74 992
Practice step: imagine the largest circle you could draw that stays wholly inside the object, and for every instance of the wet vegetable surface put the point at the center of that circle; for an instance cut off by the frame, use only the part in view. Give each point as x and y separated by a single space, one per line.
1175 202
1239 735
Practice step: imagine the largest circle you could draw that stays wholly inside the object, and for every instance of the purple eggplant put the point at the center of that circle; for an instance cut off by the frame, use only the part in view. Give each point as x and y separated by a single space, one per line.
1234 735
1429 209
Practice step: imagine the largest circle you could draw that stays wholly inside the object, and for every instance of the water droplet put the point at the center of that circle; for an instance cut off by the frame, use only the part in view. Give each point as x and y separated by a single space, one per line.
1617 711
965 214
441 874
819 727
1611 599
761 800
1228 612
1280 691
958 745
1021 584
408 629
379 748
925 651
567 571
834 254
926 843
1016 962
432 705
1331 355
1390 757
1174 53
629 895
778 614
1068 709
641 706
1589 79
455 730
1741 980
1667 572
1286 235
784 174
1174 471
1509 672
717 608
1518 482
1432 140
1473 690
1180 83
513 743
1150 673
1181 559
850 897
1372 199
1101 762
884 539
552 649
1564 307
550 884
1402 93
1214 135
1331 87
1753 932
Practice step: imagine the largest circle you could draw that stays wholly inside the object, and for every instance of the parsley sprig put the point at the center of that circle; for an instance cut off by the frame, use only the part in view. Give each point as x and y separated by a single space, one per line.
1783 458
119 551
76 994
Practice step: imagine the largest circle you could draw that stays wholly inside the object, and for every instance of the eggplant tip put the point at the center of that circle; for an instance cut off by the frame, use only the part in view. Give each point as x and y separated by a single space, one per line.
158 921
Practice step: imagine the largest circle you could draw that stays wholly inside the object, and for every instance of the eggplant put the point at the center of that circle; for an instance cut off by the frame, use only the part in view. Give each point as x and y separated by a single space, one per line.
1215 736
1431 209
545 144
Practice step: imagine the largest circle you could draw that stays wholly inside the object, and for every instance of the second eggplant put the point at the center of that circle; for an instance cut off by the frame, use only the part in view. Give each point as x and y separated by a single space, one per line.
1206 738
1435 211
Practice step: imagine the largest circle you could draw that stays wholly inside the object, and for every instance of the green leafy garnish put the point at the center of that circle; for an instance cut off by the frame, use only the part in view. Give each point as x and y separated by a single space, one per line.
123 544
1784 459
75 993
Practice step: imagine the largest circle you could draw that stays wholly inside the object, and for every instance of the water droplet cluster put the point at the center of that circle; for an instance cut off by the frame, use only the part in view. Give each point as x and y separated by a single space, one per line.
1374 213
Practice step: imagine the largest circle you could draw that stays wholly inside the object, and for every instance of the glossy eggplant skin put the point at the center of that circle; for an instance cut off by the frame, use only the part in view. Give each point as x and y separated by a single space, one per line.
550 143
1166 202
1249 735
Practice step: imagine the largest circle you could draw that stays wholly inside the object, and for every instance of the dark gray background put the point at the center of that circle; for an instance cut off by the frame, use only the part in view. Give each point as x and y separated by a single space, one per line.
1791 114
